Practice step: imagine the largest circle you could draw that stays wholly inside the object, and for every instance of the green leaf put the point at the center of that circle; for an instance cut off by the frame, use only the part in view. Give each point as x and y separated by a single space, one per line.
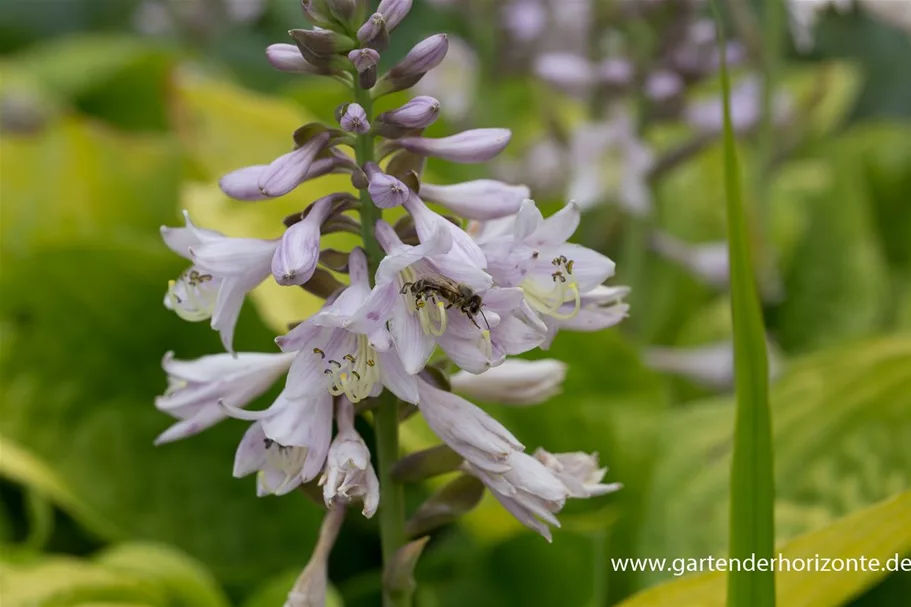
184 580
825 93
881 531
840 425
752 483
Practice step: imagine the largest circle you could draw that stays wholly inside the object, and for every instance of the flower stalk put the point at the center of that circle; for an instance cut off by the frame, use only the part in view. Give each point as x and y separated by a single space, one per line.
386 423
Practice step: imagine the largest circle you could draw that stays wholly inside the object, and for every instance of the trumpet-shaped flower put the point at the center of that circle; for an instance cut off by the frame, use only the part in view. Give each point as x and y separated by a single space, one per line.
224 270
515 382
344 349
195 387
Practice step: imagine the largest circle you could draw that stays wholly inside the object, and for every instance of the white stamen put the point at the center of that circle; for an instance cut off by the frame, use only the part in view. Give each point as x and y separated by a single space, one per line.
289 460
355 374
192 296
565 289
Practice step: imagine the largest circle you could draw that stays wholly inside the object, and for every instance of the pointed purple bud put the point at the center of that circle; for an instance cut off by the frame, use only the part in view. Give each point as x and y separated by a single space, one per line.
475 145
288 171
374 32
354 120
426 55
481 199
393 11
385 190
288 58
243 184
295 259
363 58
418 113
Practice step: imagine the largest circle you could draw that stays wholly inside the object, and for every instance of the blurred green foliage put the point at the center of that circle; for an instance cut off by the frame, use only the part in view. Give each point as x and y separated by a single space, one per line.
107 135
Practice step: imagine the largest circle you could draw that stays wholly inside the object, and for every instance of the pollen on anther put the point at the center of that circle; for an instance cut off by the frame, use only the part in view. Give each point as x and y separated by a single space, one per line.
320 352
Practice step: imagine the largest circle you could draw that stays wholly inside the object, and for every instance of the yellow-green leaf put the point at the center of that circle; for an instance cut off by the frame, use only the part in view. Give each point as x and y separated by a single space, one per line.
880 531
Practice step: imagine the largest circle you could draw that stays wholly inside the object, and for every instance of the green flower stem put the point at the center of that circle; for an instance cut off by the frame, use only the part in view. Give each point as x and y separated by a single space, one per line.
392 495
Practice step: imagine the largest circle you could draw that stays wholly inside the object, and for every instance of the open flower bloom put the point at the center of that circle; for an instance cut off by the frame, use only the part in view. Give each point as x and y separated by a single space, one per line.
305 431
345 348
560 280
578 471
484 443
444 299
529 490
195 388
515 382
224 270
349 473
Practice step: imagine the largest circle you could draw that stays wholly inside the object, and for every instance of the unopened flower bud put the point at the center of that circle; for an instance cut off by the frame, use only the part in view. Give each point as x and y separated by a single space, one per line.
398 576
374 33
286 172
288 58
475 145
363 58
515 382
310 588
419 113
319 47
425 56
393 11
481 199
354 120
297 254
343 10
385 190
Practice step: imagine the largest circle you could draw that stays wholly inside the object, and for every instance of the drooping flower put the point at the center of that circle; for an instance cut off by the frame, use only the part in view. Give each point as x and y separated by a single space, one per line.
287 445
707 261
484 443
475 145
578 471
480 199
528 490
349 473
224 270
344 349
516 382
195 388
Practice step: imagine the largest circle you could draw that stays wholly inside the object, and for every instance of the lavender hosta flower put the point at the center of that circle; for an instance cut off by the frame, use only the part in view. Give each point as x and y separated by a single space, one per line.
419 113
475 145
710 366
354 120
708 261
578 471
481 199
561 281
608 161
195 388
455 80
485 444
344 349
224 270
305 428
565 71
393 11
288 58
529 490
516 382
285 173
663 85
297 254
437 290
349 473
385 190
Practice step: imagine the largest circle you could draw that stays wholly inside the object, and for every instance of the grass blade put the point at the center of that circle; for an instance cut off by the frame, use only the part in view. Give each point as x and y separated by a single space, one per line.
752 485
